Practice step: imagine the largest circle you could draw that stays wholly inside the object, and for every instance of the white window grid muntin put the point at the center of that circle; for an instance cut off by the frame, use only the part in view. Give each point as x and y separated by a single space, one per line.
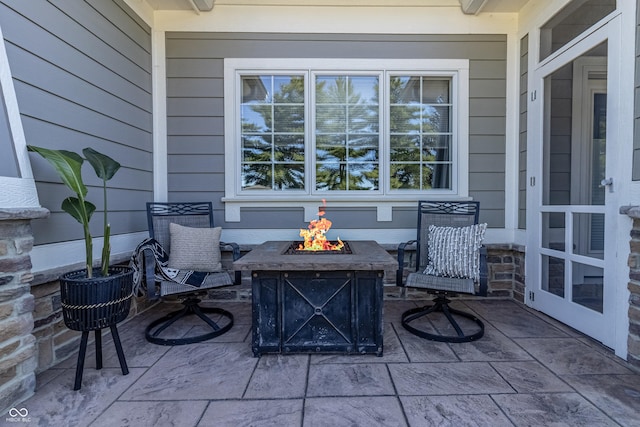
456 69
455 131
313 146
237 152
272 132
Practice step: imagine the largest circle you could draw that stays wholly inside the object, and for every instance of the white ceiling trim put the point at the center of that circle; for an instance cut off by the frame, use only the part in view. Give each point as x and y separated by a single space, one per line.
467 6
375 20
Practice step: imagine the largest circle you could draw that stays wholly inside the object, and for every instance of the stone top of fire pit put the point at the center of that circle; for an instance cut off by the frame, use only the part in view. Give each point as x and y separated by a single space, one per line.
271 255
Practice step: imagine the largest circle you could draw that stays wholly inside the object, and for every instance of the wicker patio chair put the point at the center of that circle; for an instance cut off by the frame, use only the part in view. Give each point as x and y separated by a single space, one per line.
160 217
454 263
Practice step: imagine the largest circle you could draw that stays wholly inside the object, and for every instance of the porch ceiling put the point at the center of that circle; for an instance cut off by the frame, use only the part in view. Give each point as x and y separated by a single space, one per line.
490 6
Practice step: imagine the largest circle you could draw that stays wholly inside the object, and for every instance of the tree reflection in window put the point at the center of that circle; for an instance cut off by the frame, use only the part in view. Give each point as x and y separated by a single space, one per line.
347 132
273 146
346 115
420 133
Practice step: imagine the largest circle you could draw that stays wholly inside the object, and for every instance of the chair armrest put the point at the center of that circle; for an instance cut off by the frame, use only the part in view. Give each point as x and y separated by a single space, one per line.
400 271
484 272
149 268
235 249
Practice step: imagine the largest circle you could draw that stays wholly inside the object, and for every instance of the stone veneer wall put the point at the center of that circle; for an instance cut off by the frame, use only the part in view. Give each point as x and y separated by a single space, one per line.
18 355
633 341
506 271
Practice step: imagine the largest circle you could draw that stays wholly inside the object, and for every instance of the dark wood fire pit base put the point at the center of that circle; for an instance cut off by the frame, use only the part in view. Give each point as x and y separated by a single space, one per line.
317 303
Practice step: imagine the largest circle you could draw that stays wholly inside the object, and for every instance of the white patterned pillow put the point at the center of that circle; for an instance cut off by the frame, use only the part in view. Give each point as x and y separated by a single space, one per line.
196 249
455 251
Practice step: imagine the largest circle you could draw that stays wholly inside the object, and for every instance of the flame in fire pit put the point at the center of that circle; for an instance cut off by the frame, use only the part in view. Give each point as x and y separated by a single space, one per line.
315 238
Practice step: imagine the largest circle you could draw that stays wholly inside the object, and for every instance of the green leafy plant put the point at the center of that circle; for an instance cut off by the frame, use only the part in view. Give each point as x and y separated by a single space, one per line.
69 167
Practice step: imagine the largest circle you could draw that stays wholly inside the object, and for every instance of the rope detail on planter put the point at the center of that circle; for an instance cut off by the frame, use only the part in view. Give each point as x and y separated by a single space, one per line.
102 304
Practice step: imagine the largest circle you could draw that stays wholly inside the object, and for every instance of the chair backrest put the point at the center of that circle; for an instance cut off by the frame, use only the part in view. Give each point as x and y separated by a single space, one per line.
442 214
160 215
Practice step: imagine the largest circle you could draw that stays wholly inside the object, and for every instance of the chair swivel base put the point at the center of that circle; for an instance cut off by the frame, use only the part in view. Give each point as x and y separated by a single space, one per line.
441 304
191 307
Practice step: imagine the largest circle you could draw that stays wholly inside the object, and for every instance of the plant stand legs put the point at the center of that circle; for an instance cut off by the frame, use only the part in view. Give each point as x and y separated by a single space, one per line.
83 351
98 334
80 364
116 341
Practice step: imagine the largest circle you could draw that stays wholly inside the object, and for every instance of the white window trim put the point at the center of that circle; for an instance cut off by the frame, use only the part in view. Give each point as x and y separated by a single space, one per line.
384 200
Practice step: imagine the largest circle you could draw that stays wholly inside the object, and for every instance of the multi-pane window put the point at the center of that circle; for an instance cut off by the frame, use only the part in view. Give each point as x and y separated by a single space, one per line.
272 116
347 132
320 130
420 133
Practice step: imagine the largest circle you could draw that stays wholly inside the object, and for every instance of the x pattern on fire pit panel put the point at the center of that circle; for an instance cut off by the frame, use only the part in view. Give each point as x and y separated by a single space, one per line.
311 316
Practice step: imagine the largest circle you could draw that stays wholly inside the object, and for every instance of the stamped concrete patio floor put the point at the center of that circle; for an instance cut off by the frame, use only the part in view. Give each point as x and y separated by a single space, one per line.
528 370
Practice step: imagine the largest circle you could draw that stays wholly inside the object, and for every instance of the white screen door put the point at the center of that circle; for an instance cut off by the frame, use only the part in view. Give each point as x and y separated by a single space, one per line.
573 204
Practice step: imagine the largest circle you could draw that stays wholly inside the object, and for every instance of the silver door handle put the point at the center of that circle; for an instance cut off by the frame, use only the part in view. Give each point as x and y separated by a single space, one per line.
607 182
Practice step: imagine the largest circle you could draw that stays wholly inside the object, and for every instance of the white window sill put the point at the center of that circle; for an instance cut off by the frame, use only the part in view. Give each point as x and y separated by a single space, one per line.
311 204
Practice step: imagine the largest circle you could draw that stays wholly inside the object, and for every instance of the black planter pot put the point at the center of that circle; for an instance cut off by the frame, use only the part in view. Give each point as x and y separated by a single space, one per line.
98 302
92 304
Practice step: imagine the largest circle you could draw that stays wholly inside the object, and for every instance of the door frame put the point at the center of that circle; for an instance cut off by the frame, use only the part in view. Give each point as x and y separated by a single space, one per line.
608 30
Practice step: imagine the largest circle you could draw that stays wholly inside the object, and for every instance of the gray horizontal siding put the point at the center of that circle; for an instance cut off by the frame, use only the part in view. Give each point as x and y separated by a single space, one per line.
193 107
490 107
198 182
194 87
522 139
82 73
487 88
196 144
261 45
342 218
52 108
487 125
486 163
195 125
195 68
81 59
121 222
136 158
486 143
487 180
39 74
190 164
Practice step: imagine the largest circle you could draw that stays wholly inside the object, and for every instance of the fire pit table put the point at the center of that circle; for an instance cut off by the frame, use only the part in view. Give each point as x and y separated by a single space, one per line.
317 302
